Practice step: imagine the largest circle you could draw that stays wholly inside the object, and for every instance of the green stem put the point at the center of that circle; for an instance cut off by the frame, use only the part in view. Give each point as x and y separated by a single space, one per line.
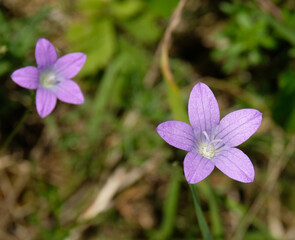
201 219
15 130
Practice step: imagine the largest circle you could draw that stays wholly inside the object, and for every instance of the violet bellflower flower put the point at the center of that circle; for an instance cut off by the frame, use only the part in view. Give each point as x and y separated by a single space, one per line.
210 142
51 77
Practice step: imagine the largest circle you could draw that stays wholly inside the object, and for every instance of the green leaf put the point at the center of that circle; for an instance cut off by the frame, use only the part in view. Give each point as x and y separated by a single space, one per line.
162 8
102 96
126 9
144 29
4 67
92 8
283 29
97 41
287 81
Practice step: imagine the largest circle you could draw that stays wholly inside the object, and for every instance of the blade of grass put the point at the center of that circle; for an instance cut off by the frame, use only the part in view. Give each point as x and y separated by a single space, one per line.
102 96
201 219
170 207
217 226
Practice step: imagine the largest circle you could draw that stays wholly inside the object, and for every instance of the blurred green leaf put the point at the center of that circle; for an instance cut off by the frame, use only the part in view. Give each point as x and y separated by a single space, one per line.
92 8
244 20
103 94
283 30
4 67
126 9
96 40
287 80
56 233
162 8
143 28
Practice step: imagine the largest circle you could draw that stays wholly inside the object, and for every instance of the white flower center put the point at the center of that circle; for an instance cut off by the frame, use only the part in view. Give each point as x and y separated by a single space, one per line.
48 79
207 150
208 147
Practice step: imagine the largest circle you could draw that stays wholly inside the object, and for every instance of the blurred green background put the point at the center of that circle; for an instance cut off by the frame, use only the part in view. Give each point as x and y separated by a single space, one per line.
100 170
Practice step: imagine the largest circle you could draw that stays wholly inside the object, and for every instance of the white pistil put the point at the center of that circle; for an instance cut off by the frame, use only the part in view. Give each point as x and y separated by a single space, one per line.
208 148
48 79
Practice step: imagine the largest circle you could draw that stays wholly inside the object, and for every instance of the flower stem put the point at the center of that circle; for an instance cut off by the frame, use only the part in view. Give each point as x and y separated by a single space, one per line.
201 219
15 130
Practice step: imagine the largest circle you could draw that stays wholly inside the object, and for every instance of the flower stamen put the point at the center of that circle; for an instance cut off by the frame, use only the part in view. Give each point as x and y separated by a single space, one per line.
208 148
48 79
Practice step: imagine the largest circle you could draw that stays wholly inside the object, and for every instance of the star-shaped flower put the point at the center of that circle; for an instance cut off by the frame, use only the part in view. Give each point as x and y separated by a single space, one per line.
211 142
52 77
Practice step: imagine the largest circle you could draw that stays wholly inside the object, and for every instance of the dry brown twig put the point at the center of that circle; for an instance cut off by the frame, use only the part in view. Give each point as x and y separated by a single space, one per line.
163 49
119 180
174 22
269 6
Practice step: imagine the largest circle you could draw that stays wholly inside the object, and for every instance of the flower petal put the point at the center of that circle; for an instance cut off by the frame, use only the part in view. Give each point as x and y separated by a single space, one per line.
68 91
69 65
27 77
203 108
235 164
196 167
45 53
178 134
236 127
45 101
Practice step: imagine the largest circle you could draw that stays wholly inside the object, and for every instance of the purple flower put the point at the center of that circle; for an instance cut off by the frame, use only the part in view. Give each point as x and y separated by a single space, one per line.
211 142
52 77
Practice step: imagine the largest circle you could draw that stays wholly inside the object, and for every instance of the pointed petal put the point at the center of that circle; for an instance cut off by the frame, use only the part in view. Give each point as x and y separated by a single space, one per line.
178 134
235 164
236 127
203 108
45 102
69 65
68 91
45 53
27 77
196 167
